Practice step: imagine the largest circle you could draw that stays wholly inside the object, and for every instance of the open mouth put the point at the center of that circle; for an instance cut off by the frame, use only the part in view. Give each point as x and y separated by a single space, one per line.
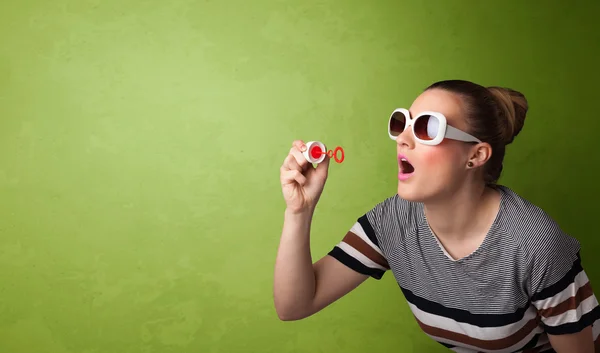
405 166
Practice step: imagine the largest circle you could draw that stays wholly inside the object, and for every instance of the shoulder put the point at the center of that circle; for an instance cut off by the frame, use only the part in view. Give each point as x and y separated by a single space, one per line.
534 230
552 256
390 220
362 249
392 209
557 284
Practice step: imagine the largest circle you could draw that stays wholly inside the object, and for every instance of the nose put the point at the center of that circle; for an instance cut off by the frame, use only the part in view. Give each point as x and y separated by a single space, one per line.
405 139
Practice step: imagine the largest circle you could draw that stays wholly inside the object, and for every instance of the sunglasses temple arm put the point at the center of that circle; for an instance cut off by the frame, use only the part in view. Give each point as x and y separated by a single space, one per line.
455 134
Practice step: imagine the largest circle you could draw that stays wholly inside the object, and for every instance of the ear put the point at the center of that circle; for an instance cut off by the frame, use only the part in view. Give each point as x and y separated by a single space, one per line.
479 154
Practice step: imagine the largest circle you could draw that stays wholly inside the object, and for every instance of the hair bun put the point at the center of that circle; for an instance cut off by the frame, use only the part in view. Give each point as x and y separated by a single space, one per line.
514 106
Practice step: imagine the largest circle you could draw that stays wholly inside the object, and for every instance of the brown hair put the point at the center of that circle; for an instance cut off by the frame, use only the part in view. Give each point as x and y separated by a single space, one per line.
495 115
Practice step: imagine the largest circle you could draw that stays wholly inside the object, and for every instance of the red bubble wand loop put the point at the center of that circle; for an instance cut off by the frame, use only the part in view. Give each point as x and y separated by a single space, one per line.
315 152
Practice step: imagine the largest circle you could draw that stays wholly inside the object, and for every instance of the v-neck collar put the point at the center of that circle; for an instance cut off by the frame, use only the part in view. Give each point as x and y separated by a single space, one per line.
483 246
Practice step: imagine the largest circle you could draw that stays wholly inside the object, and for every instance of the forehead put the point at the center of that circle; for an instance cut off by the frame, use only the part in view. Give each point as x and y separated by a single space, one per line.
441 101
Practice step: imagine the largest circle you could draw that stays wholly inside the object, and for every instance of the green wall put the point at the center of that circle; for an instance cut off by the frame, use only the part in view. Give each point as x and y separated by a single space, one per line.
140 145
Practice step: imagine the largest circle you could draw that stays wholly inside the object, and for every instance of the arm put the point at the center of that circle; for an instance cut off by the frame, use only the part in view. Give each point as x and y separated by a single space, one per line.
302 288
580 342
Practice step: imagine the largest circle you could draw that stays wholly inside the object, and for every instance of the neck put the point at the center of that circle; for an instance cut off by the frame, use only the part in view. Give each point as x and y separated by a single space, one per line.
462 214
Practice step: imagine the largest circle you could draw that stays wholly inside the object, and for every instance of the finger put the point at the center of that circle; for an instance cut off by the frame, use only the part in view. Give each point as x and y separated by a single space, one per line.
300 145
291 176
299 157
290 163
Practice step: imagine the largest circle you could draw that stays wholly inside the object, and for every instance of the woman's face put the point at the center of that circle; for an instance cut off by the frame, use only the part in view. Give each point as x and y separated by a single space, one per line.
436 170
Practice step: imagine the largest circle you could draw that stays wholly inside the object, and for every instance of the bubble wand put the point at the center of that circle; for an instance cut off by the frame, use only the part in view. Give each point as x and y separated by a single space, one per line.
315 152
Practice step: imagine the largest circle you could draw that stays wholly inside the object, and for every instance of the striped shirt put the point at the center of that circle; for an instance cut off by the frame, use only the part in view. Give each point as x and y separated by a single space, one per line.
524 282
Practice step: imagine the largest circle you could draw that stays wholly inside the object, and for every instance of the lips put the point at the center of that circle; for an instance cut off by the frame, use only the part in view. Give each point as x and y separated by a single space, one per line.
406 169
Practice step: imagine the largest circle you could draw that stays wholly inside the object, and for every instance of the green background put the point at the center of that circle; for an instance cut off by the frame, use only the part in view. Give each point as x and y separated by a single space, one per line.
140 145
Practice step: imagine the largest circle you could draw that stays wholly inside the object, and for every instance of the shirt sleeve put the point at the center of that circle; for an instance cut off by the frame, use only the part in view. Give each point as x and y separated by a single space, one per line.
360 250
560 288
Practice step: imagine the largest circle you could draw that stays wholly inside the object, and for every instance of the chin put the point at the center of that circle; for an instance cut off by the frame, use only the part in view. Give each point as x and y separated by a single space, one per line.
415 192
410 192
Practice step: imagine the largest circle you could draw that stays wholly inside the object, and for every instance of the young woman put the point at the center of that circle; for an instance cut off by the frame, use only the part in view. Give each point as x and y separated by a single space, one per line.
482 269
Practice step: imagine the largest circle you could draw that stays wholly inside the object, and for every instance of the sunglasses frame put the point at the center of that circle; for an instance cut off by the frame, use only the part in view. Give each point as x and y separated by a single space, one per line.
447 131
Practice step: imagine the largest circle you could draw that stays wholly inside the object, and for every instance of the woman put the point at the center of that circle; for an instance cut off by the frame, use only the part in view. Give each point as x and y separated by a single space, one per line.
483 270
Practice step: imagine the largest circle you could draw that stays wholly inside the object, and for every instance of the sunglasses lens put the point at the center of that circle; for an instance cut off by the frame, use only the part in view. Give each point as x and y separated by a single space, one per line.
397 122
427 127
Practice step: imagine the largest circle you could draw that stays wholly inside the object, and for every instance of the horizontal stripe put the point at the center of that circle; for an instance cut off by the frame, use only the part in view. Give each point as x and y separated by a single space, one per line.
584 293
358 229
464 316
448 345
366 249
368 229
564 282
348 249
545 348
540 342
576 326
463 340
474 331
580 280
354 264
572 315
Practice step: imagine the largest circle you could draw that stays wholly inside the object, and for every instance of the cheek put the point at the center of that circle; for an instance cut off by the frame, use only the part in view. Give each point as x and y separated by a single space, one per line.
441 158
434 158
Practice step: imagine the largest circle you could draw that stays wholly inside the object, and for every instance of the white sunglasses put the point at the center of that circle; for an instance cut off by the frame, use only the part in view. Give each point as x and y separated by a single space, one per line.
429 128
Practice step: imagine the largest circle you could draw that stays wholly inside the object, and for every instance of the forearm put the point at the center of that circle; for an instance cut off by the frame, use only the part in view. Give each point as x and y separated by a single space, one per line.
294 280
